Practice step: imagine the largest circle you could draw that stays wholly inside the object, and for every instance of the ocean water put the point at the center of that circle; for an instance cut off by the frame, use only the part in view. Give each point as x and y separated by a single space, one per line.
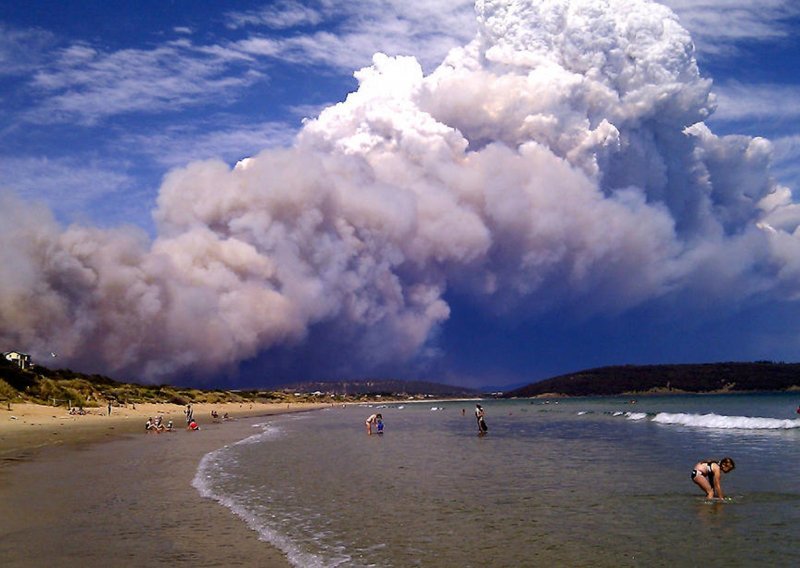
572 482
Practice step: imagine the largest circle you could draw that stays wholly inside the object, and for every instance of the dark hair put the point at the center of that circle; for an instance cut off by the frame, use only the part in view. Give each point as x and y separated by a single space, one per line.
727 461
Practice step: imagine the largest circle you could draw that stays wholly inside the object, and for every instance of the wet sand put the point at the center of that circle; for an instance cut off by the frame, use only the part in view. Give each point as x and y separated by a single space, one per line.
119 497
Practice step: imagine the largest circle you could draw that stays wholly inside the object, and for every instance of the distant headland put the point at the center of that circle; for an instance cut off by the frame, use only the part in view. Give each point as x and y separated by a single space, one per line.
677 378
64 387
22 381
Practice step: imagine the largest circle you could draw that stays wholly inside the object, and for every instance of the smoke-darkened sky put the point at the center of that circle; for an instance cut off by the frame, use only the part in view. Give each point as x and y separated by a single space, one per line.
247 193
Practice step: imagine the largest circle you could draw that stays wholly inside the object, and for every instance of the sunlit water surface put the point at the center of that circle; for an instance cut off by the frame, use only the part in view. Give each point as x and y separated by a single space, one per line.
578 482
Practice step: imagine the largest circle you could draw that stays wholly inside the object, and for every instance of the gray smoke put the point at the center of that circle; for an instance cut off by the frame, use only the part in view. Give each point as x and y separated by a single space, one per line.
558 160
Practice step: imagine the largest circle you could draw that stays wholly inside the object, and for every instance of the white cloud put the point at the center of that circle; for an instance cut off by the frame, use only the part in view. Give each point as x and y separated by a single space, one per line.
285 14
345 35
179 145
748 102
786 160
718 26
20 49
86 85
67 186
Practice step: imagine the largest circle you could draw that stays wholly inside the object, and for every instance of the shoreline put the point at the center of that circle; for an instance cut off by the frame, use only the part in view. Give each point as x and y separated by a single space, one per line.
27 427
653 392
101 490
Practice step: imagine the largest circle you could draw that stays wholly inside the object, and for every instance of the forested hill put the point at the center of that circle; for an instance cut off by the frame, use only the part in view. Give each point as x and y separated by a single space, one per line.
711 377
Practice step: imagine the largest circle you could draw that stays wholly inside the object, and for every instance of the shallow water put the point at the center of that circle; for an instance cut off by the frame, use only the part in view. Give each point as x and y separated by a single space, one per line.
591 481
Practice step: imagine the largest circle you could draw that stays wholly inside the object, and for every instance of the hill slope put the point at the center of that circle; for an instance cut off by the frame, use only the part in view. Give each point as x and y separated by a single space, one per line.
711 377
63 387
382 387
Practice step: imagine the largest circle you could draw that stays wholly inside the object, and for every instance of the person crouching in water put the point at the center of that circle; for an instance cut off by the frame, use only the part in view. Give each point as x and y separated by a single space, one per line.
373 419
707 475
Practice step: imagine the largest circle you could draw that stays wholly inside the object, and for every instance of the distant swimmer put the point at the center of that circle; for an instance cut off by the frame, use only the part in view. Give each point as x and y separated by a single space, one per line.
480 417
373 419
707 474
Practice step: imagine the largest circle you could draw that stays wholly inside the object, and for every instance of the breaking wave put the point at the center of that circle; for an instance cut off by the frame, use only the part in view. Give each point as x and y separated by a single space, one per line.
726 422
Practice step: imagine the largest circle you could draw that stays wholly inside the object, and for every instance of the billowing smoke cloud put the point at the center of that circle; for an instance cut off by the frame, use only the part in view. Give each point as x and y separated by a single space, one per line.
558 160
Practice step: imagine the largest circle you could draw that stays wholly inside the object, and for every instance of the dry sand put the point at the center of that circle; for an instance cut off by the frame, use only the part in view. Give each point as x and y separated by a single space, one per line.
96 490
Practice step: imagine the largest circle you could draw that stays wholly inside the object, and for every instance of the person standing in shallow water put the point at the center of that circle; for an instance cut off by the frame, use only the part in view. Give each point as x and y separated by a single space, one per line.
373 420
707 475
480 417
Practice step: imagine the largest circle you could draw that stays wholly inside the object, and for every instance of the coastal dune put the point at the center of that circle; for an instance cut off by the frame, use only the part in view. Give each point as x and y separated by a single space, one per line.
96 490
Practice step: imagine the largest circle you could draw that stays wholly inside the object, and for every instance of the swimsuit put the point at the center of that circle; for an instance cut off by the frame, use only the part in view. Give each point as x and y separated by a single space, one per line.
709 473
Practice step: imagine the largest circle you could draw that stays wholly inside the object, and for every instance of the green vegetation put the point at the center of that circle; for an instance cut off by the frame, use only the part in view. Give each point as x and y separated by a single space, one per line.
64 387
705 378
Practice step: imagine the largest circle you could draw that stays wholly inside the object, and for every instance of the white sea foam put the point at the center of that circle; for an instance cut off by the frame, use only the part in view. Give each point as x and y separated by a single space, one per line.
726 422
211 469
267 431
636 415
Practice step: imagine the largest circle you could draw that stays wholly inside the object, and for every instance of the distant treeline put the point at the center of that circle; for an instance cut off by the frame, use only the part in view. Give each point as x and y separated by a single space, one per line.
64 387
701 378
384 387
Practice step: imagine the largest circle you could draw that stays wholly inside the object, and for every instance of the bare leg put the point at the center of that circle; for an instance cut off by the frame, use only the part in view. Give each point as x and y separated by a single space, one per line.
703 483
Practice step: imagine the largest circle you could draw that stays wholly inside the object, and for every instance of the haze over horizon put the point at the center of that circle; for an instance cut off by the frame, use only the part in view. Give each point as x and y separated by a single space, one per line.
254 193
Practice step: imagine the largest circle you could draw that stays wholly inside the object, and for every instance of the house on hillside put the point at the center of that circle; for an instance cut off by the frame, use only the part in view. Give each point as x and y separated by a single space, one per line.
22 360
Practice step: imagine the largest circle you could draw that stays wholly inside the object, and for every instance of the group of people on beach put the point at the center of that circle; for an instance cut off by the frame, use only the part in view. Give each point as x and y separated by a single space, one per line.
191 423
706 474
156 426
376 420
215 416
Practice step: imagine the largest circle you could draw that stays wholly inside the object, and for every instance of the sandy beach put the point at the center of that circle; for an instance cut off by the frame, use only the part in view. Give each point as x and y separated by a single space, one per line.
97 490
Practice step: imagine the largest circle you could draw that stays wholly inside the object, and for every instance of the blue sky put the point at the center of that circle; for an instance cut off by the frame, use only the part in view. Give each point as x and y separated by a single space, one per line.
112 109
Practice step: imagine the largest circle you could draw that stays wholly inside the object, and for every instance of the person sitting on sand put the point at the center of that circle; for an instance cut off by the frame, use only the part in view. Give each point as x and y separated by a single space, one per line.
193 426
373 419
149 426
707 474
169 426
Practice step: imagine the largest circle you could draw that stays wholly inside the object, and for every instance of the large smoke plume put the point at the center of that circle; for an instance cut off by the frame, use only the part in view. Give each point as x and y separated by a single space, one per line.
559 159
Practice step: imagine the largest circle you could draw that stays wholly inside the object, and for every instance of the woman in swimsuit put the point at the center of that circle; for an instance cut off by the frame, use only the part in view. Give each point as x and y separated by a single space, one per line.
707 474
373 419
